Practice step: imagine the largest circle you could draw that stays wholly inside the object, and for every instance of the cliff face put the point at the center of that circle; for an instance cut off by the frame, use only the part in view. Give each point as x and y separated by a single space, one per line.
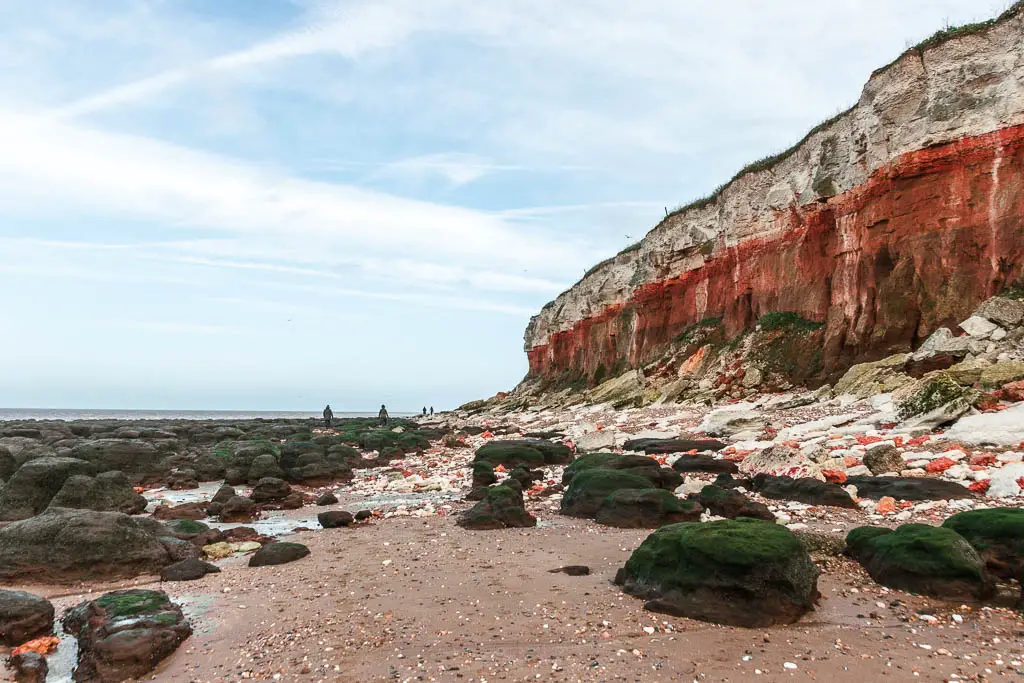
894 219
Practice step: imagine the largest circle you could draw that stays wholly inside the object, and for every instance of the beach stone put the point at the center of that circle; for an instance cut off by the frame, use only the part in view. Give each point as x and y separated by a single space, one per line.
524 452
327 499
998 536
125 634
1002 372
743 572
640 465
239 509
871 379
978 327
673 445
1005 481
33 485
29 667
806 490
332 519
278 553
188 570
209 468
781 460
178 549
142 460
7 463
704 463
501 508
270 489
646 509
23 616
224 494
194 511
732 504
186 529
264 466
483 474
62 544
1007 313
731 421
183 480
923 559
908 488
595 441
109 491
363 515
588 488
883 458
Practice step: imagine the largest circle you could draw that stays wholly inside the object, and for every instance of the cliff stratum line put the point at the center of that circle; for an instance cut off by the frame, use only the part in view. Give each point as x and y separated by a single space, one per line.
894 219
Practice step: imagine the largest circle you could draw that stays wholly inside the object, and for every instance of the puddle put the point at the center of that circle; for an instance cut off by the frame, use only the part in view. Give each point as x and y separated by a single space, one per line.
204 493
62 662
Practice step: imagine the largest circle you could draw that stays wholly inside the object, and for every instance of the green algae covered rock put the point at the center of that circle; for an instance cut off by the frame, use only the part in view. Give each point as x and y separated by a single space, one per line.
998 536
502 507
923 559
589 488
641 465
927 395
646 509
742 572
529 452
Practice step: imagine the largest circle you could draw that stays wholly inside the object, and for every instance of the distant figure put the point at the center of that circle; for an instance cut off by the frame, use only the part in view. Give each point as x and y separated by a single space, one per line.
424 411
431 410
328 416
383 416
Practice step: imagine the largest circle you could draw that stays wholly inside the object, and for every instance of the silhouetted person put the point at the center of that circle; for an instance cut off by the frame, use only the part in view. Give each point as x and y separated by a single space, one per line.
328 416
383 416
431 410
424 411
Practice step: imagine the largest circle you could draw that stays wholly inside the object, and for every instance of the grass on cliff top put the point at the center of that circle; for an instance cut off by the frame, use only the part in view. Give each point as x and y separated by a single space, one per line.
951 32
789 321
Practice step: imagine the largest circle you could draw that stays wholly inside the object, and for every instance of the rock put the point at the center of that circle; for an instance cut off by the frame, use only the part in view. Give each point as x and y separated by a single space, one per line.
666 446
940 343
936 396
270 489
30 489
141 460
1004 428
908 488
7 463
1007 313
649 468
883 458
186 529
125 634
263 466
29 667
1002 372
209 468
781 460
921 559
704 463
278 553
752 378
978 327
483 474
23 616
106 492
239 509
968 372
732 420
572 570
806 490
870 379
646 509
182 480
188 570
1005 481
732 504
627 389
998 536
739 572
333 519
63 545
194 511
223 495
327 499
178 549
595 441
529 452
363 515
501 508
588 489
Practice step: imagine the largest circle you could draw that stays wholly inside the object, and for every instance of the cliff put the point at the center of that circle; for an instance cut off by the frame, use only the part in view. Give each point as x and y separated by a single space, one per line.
893 219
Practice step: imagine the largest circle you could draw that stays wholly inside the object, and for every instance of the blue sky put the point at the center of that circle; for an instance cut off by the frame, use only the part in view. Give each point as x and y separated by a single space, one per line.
271 204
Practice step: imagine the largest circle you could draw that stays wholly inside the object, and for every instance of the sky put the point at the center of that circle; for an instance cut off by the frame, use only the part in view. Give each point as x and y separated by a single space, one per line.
275 204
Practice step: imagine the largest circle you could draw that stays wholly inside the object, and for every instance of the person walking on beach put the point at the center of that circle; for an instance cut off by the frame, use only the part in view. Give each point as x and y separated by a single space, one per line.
431 410
383 416
424 411
328 416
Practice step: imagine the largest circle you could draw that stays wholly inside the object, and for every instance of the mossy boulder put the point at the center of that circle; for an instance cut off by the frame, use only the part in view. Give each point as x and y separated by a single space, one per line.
502 507
640 465
732 504
524 452
742 572
109 491
998 536
34 484
646 509
928 395
186 529
923 559
483 474
803 490
263 466
589 488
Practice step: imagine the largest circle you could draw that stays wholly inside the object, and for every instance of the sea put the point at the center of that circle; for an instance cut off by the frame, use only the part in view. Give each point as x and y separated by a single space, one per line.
21 414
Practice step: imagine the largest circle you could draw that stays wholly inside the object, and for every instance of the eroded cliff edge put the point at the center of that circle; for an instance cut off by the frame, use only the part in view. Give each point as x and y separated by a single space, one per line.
893 219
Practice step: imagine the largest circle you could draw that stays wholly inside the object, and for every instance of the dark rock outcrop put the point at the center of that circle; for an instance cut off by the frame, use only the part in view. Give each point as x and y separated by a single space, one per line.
732 504
646 509
804 490
908 488
188 570
998 536
704 463
588 489
666 446
529 452
278 553
333 519
106 492
23 616
501 508
34 484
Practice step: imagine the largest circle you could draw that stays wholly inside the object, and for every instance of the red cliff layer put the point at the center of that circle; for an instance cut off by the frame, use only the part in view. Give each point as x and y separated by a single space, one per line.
915 247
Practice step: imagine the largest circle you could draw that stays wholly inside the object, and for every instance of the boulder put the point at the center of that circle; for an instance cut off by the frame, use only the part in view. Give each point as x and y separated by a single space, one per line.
327 499
640 465
809 491
278 553
109 491
588 489
29 667
191 569
940 343
483 474
264 466
731 421
270 489
64 545
1002 372
882 458
908 488
596 441
33 485
194 511
183 480
7 463
781 460
732 504
627 389
998 536
332 519
209 467
936 392
666 446
239 509
968 372
646 509
23 616
742 572
1006 481
704 463
125 634
501 508
923 559
1005 428
529 452
186 529
1007 313
978 327
870 379
142 460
